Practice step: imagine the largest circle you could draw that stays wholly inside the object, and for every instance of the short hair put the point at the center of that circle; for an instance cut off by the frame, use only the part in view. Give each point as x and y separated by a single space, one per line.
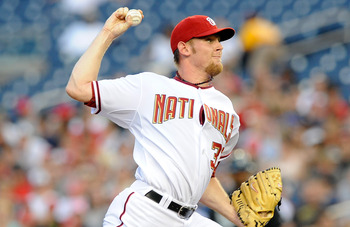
176 57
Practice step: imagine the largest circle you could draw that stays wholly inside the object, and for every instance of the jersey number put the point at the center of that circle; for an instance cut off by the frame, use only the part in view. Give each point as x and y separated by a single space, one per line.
218 148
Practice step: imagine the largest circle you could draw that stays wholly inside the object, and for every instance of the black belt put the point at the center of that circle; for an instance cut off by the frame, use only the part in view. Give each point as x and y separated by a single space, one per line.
183 212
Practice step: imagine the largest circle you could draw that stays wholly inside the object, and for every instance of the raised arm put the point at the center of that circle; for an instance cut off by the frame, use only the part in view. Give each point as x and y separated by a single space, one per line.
217 199
88 66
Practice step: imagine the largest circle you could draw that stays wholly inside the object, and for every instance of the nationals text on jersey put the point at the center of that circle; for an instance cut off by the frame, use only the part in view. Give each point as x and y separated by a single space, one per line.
165 109
219 119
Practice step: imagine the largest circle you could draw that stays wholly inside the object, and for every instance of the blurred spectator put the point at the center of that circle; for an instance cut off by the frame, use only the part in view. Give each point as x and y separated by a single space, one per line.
242 166
77 36
316 195
312 103
159 53
262 44
343 187
257 32
80 7
229 83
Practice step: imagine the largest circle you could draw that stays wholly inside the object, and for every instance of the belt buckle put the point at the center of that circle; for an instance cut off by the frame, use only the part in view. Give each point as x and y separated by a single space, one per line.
186 212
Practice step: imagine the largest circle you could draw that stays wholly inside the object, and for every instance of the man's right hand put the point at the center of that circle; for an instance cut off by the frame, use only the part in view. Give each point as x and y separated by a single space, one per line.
116 23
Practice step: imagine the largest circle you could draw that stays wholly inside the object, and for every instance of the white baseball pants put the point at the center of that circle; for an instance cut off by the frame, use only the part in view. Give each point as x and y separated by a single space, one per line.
132 209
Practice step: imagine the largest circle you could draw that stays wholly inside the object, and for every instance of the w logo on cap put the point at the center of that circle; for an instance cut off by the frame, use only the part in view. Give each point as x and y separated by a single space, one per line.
211 21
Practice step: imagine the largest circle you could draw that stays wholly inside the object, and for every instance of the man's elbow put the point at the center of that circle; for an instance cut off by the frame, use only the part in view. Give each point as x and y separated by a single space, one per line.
70 91
79 91
75 92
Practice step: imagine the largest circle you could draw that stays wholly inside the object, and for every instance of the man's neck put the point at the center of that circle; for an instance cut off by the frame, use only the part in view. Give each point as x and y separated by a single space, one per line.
194 77
203 83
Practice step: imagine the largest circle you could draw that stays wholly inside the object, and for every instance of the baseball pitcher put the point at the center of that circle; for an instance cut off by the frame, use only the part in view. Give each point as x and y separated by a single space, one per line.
183 126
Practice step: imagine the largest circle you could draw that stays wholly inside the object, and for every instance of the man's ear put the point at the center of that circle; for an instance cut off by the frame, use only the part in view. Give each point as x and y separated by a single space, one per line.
184 48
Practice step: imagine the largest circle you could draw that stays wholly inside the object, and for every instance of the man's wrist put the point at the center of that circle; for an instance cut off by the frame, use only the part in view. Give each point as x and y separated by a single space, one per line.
107 36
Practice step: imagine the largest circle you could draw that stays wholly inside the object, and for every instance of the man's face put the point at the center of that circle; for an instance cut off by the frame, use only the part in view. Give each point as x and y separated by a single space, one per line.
207 53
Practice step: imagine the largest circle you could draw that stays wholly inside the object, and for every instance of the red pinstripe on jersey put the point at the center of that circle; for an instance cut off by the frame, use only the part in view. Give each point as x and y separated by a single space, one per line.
122 214
98 98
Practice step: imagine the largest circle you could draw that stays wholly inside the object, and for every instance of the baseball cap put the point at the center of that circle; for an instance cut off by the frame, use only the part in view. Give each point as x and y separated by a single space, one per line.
195 27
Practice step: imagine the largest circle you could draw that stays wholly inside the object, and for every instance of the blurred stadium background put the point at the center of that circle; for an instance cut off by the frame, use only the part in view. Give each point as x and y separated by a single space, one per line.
42 129
33 64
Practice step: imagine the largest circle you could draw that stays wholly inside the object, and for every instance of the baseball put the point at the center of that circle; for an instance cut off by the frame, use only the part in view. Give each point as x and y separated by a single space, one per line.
135 15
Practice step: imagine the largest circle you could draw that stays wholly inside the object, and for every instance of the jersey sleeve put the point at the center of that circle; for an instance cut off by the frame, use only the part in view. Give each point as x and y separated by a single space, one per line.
118 99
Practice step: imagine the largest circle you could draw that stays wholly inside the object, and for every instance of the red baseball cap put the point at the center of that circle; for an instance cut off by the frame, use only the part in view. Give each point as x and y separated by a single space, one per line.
195 27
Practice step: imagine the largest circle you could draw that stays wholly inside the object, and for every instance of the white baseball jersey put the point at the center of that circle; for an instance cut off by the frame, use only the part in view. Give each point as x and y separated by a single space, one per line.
181 131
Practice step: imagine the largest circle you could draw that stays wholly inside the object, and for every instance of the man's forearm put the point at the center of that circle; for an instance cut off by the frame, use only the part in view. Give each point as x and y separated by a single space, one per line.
216 198
87 67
